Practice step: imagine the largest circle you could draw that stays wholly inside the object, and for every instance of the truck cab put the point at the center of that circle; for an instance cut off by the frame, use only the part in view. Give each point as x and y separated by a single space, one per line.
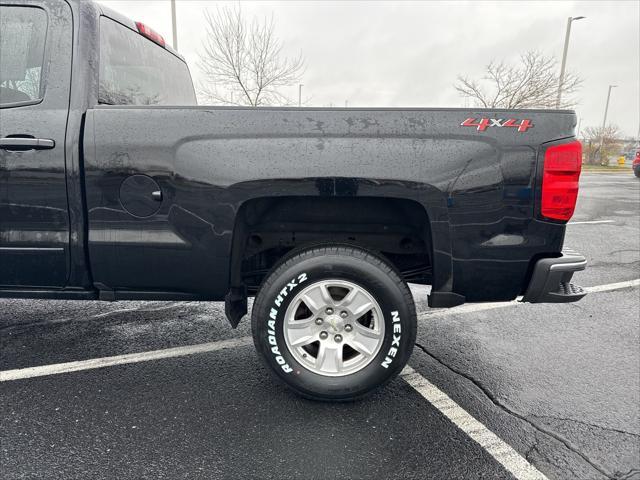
40 135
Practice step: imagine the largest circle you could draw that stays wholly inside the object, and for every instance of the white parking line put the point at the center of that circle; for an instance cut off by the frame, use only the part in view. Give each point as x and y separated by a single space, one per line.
468 308
590 222
135 309
479 307
613 286
502 452
93 363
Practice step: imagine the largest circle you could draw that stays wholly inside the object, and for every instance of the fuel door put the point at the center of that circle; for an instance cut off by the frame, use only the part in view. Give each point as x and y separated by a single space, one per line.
140 195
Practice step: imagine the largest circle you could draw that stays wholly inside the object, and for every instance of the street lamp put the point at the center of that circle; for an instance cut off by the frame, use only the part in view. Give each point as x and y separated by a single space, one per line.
578 130
604 124
174 25
564 57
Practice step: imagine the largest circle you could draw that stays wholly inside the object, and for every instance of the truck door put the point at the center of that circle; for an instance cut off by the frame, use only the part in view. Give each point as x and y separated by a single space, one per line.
35 77
142 234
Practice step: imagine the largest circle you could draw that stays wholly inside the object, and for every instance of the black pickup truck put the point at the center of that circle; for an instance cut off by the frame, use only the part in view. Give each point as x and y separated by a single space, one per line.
115 185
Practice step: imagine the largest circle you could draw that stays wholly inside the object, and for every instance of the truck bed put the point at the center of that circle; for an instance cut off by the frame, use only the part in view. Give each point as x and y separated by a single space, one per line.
477 186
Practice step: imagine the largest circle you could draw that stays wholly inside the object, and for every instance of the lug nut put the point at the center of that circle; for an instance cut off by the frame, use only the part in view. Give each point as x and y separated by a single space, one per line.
329 311
338 338
344 314
348 327
319 321
324 335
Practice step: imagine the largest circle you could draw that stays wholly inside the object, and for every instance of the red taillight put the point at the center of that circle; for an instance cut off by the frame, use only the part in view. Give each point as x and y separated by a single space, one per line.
150 33
561 173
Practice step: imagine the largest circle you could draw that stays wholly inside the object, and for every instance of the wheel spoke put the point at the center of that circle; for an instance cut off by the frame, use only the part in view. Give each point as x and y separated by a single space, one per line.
357 302
318 298
364 340
329 357
301 332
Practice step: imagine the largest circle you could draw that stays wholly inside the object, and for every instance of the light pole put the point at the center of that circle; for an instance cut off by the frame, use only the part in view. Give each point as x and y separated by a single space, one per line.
564 57
174 25
604 124
300 94
578 131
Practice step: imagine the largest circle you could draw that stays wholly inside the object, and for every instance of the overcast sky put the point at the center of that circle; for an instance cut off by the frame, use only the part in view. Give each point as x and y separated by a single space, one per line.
409 53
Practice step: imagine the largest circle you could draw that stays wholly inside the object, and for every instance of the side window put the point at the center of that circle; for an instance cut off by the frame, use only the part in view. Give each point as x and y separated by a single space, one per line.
136 71
22 39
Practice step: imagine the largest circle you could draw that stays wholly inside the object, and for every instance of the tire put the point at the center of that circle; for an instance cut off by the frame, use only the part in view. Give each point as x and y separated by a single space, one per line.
334 322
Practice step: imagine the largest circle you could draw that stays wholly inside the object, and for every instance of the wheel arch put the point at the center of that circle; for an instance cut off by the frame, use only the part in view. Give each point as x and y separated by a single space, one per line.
267 228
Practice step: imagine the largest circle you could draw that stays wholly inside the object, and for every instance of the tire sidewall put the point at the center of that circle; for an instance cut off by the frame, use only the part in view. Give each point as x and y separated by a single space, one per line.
389 292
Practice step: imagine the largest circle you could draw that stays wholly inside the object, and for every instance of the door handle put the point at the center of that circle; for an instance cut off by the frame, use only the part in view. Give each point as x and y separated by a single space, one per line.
157 195
26 143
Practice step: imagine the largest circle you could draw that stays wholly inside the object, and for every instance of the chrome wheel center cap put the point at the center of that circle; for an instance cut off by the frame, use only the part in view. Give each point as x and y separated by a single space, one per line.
336 323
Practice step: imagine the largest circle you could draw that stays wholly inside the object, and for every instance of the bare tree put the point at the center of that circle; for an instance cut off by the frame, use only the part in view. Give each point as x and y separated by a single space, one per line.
533 83
599 144
243 63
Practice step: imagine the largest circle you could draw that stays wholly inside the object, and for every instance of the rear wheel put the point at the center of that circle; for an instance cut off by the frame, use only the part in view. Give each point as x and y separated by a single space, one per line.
334 323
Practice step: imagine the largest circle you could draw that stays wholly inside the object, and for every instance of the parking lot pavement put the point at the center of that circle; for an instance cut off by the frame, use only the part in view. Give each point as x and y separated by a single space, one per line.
558 383
220 416
612 249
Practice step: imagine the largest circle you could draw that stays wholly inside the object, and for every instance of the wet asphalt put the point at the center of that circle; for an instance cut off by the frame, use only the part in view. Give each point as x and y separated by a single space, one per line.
559 383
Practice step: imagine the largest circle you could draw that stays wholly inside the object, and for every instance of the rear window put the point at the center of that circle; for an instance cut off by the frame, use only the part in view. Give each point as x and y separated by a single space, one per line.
23 31
136 71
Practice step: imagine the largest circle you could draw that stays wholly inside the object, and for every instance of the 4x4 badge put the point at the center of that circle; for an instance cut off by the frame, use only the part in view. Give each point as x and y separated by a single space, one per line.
482 124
